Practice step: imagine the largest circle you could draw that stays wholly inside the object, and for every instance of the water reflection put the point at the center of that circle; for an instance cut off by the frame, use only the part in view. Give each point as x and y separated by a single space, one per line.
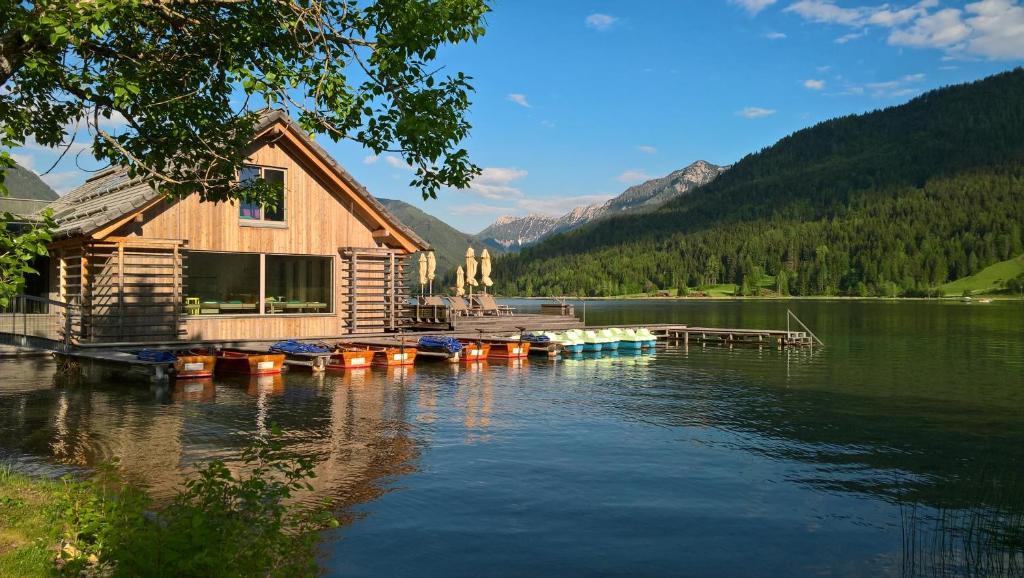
867 457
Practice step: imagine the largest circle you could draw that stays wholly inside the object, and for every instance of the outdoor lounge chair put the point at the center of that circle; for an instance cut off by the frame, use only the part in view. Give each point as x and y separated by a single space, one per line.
488 306
431 309
459 307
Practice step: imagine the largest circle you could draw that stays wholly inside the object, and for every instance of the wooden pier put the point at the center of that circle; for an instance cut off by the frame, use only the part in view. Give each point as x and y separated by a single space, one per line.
119 360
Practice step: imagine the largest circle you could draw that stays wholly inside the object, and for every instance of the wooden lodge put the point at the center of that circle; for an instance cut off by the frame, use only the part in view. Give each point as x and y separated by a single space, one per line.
135 266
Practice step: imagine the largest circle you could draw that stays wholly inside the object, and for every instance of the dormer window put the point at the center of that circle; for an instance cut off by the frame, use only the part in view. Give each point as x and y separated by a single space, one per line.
251 211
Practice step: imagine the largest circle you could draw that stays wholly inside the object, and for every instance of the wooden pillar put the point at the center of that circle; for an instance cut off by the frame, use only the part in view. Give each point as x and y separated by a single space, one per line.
391 293
263 284
85 299
353 308
120 291
179 301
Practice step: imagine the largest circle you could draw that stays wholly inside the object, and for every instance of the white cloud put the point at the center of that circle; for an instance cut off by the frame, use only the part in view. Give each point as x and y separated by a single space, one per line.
370 159
599 22
560 205
755 112
753 6
942 29
495 183
904 86
479 209
519 99
998 27
851 36
647 149
633 176
992 29
775 35
26 161
826 12
397 163
64 181
814 84
547 124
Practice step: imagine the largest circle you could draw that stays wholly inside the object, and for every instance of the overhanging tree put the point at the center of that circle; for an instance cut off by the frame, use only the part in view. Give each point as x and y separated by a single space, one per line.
183 80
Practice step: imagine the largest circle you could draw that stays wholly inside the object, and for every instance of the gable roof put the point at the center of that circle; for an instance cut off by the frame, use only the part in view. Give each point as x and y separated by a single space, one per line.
113 194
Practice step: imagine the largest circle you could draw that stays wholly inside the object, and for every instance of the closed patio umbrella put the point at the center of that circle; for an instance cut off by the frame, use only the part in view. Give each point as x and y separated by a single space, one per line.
460 281
470 270
423 272
485 269
431 269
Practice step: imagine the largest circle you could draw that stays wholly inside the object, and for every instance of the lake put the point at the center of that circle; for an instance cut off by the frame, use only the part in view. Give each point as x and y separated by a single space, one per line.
896 450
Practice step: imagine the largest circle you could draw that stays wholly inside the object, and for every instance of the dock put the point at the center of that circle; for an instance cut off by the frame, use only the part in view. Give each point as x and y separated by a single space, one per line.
117 360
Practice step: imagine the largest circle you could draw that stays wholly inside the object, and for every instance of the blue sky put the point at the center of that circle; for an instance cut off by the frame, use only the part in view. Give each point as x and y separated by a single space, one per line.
577 100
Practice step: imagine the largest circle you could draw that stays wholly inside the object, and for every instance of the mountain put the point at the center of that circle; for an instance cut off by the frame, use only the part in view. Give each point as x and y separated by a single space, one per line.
27 193
897 201
22 183
513 233
448 243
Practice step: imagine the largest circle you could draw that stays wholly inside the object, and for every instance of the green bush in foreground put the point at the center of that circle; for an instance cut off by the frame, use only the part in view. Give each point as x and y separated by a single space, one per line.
220 524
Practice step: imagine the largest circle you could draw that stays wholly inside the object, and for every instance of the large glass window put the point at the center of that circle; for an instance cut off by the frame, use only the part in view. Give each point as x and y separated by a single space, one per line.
251 211
229 284
298 284
223 283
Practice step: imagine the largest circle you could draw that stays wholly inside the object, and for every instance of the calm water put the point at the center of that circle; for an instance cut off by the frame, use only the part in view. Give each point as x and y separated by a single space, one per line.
896 450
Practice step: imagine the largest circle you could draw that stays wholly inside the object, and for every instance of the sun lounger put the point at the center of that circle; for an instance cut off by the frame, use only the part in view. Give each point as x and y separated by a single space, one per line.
459 307
488 306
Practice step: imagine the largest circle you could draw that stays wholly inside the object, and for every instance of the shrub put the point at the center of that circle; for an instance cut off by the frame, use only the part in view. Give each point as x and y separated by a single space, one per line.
221 524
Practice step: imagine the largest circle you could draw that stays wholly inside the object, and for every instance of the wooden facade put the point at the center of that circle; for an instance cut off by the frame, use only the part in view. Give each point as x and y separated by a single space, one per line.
131 276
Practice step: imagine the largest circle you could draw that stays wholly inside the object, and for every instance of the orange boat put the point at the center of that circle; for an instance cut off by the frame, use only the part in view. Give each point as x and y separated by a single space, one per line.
194 364
392 356
247 363
501 348
350 357
474 351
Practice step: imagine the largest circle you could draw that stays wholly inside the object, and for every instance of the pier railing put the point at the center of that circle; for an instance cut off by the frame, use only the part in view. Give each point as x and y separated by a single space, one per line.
789 315
29 321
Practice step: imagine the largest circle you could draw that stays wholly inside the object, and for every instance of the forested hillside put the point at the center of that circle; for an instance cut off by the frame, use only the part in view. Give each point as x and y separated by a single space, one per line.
448 243
897 201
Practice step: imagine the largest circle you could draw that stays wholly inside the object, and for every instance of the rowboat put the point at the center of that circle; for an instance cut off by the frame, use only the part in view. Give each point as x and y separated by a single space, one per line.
502 348
350 357
249 363
474 351
611 339
194 364
392 356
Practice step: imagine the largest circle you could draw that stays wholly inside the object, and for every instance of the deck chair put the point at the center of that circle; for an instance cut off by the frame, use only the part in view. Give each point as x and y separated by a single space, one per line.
459 307
488 306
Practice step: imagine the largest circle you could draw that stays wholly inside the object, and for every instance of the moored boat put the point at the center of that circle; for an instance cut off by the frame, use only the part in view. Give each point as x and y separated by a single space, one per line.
509 349
629 339
350 357
249 363
569 344
194 364
611 336
591 342
474 351
649 338
393 356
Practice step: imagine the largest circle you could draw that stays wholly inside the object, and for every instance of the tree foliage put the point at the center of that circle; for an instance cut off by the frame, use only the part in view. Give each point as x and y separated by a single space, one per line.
172 88
897 201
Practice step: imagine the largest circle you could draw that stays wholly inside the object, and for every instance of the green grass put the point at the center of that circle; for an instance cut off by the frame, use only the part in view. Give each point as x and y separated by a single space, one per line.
29 528
988 280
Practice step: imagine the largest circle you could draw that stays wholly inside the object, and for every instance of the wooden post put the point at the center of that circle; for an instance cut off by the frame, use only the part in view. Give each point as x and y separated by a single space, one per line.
263 284
120 290
353 313
85 298
391 292
178 270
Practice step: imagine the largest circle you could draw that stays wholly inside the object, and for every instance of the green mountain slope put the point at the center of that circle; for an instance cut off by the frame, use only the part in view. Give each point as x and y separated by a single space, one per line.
22 183
896 201
989 280
448 243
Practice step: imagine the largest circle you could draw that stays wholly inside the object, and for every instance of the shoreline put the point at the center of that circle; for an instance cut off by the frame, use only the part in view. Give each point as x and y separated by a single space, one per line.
974 299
